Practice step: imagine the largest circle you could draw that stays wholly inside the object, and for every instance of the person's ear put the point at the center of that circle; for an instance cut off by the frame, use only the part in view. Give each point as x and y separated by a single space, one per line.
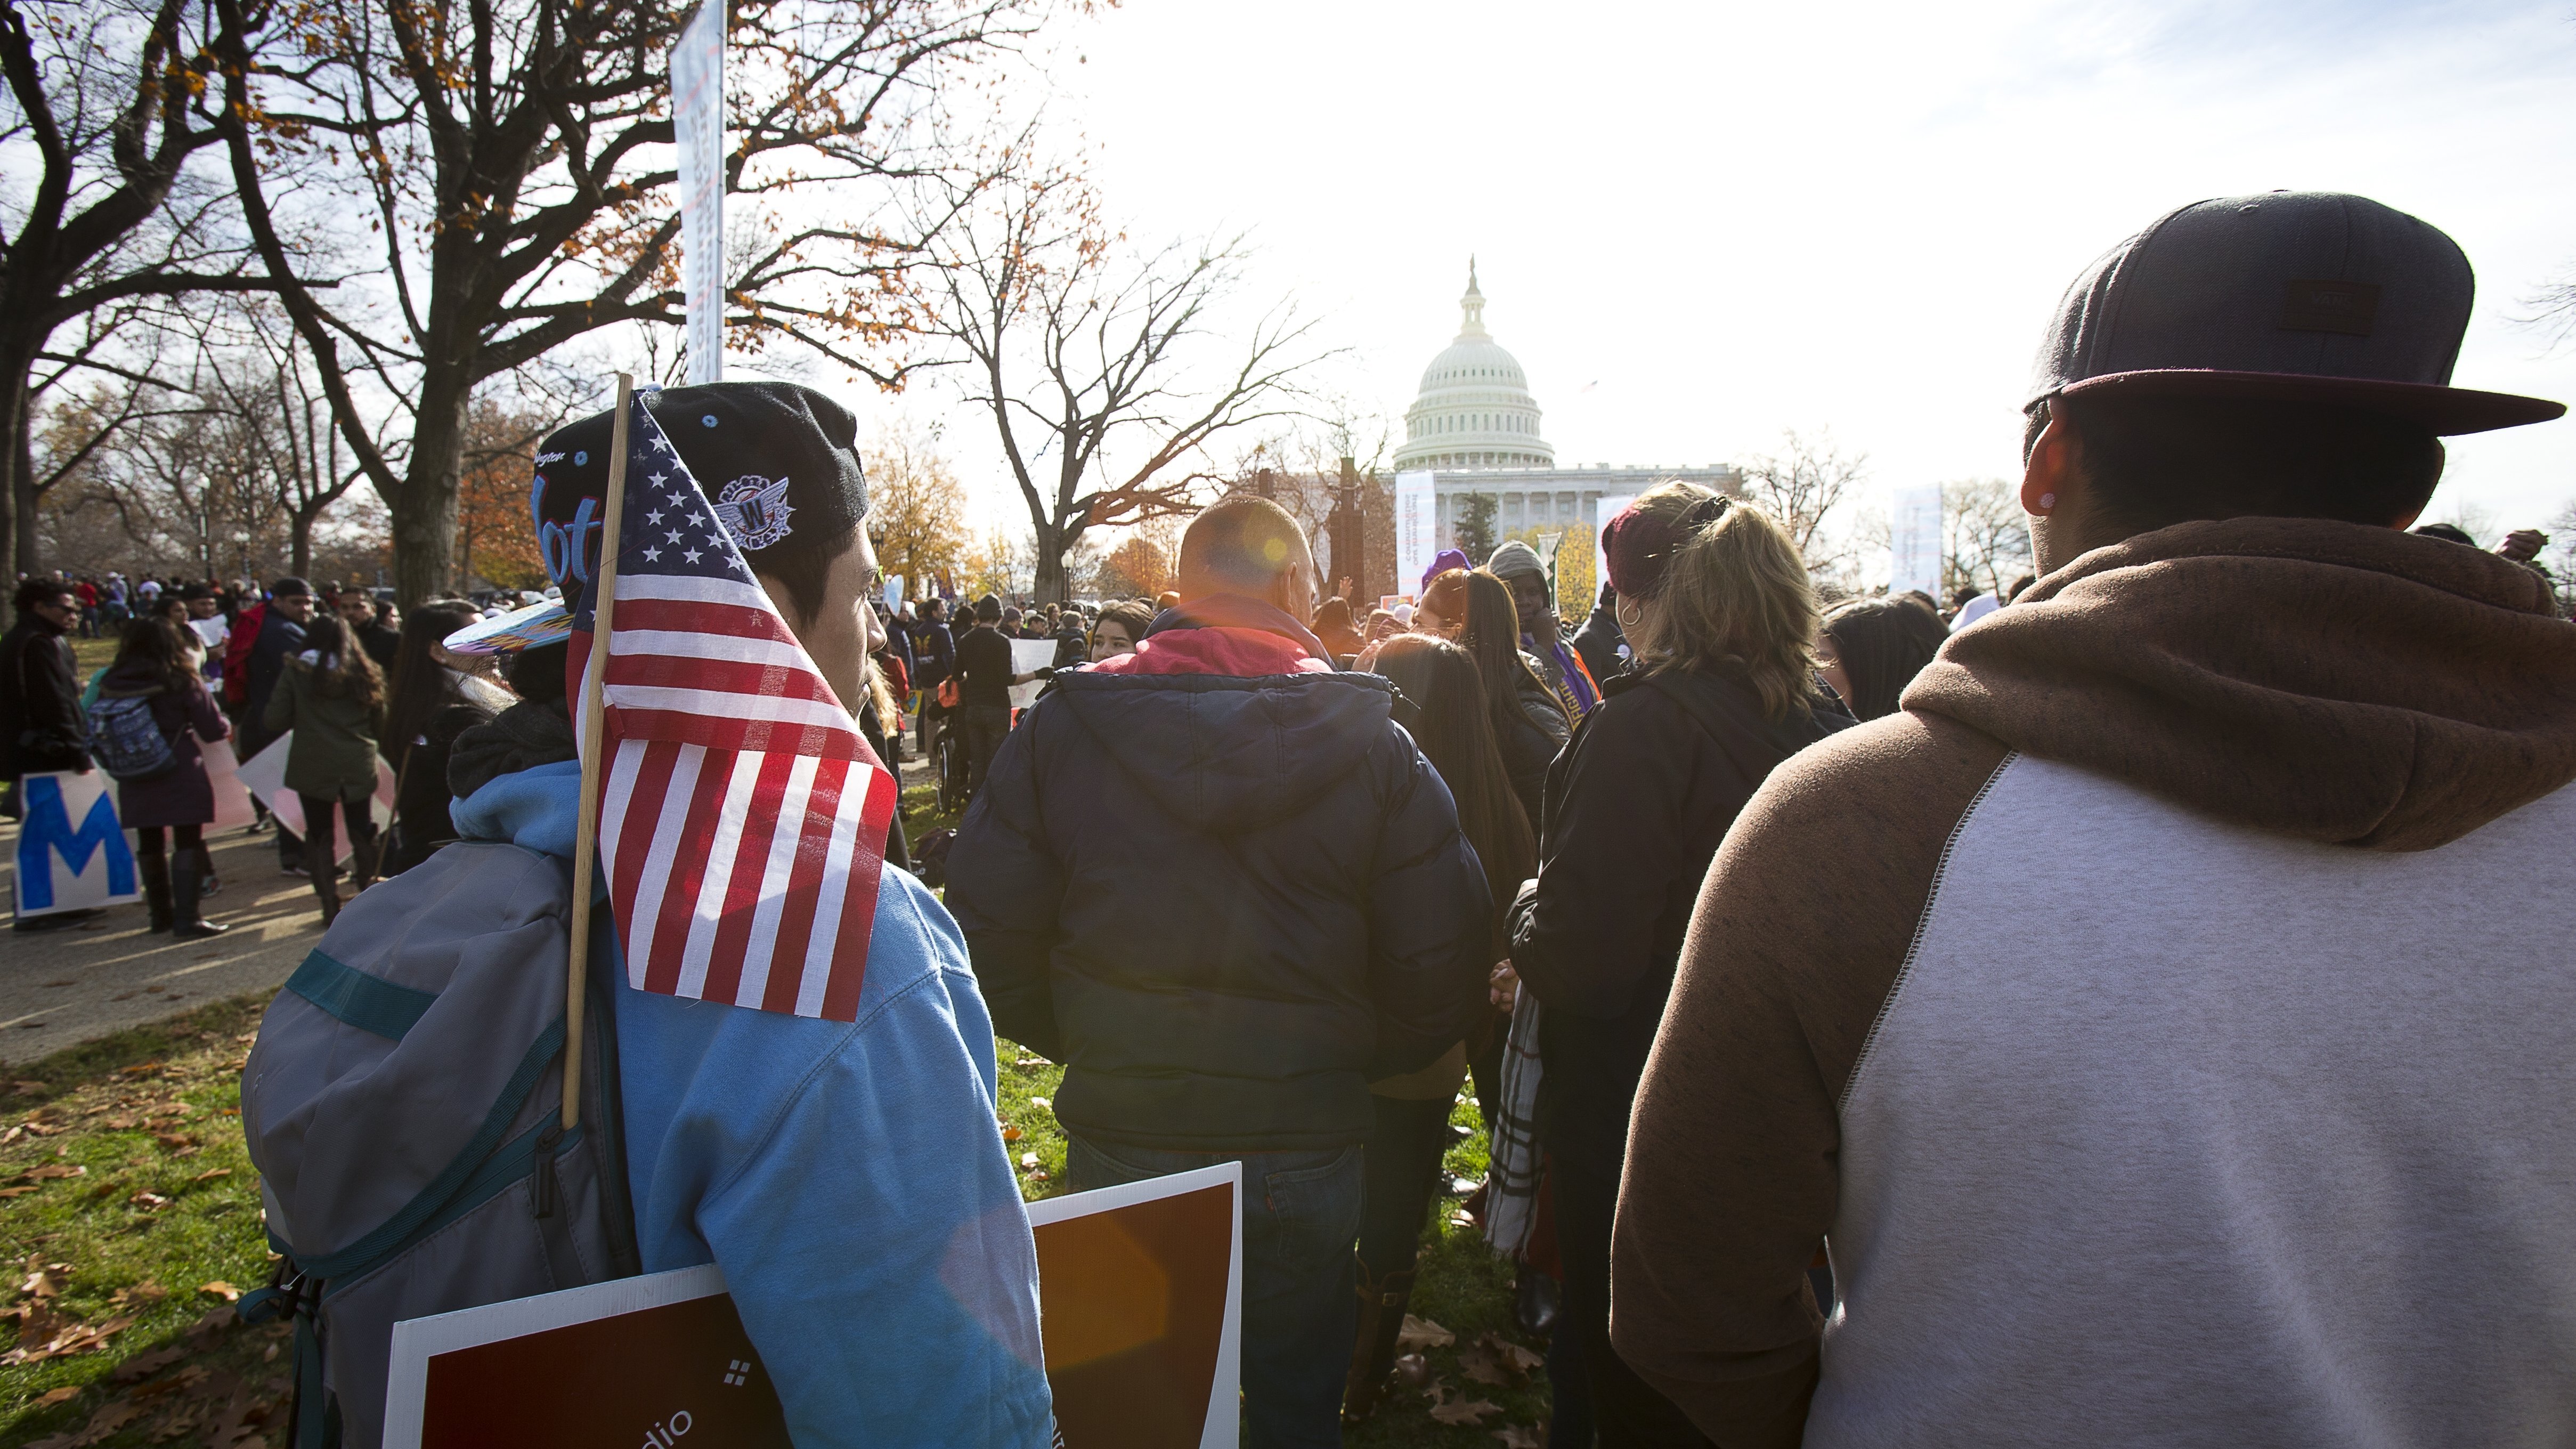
2049 480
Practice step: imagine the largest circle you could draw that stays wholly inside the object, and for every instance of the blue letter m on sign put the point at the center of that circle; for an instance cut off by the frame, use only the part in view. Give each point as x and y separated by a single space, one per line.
48 831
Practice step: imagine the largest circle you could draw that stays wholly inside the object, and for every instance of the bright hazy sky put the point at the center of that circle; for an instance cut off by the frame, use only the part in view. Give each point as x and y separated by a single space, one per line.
1699 224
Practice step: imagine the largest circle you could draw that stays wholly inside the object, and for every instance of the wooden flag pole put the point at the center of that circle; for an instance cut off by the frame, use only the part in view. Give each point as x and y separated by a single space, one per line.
594 724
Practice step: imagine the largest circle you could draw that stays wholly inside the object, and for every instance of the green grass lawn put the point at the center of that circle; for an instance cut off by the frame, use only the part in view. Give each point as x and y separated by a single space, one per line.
132 1217
91 655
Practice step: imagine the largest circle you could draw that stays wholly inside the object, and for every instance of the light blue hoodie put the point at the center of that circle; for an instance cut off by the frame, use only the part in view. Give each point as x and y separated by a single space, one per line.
848 1176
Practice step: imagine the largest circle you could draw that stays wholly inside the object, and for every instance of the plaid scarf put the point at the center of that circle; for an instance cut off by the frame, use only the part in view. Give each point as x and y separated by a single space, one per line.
1512 1162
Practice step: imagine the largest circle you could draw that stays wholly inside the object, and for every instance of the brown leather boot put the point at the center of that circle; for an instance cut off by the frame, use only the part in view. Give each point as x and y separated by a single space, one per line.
1382 1304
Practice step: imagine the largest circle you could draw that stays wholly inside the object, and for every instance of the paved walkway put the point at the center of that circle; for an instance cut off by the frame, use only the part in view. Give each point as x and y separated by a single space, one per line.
60 988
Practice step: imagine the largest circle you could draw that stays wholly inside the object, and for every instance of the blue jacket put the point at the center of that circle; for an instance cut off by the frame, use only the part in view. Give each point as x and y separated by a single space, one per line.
847 1176
1222 886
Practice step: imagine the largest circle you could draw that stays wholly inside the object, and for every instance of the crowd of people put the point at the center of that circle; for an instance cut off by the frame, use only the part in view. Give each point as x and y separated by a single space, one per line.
2105 1010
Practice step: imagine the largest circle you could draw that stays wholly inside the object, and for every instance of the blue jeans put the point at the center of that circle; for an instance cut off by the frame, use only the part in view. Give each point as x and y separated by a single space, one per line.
1301 1216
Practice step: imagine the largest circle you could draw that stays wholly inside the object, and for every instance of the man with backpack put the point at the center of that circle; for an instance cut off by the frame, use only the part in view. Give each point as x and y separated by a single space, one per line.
847 1175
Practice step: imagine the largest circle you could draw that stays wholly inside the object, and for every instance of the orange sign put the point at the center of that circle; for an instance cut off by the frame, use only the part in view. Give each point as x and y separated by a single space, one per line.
1141 1286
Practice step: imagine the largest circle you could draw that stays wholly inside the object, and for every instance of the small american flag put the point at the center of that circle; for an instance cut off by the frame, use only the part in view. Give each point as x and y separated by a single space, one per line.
742 821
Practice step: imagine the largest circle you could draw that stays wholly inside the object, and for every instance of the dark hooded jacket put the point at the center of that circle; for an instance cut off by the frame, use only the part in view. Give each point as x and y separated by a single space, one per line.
1219 883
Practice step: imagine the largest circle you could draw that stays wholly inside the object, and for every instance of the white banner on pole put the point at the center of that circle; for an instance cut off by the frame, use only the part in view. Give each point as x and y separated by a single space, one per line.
894 591
1914 540
1603 510
697 115
1416 533
264 775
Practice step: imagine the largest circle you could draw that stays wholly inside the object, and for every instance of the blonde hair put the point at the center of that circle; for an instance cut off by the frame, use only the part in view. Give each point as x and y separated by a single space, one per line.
1736 593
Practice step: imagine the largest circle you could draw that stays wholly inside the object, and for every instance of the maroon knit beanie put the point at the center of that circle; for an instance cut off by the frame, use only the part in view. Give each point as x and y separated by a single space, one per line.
1641 545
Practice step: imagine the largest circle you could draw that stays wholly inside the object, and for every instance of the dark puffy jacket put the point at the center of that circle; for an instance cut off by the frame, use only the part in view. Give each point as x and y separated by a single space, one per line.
1225 901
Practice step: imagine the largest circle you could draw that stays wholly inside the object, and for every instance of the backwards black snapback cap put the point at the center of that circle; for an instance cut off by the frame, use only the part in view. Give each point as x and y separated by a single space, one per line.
2300 296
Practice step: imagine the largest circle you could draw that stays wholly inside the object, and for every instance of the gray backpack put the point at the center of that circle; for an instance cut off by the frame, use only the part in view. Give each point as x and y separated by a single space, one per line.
403 1108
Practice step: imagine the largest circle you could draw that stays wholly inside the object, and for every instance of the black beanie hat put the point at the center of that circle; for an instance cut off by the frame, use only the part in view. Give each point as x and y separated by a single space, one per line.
775 458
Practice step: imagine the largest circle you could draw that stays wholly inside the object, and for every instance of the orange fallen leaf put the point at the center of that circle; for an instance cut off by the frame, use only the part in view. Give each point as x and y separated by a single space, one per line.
1478 1363
211 1174
1420 1333
221 1289
1513 1356
1521 1436
1012 1134
1467 1412
63 1395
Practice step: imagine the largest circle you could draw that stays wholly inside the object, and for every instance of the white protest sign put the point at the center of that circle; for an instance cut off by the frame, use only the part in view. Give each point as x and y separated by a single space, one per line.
223 776
264 775
1028 655
1141 1296
893 592
1914 540
1417 539
697 118
1604 510
72 854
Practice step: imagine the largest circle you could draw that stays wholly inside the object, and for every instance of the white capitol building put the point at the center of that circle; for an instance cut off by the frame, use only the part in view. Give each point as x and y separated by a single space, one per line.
1475 426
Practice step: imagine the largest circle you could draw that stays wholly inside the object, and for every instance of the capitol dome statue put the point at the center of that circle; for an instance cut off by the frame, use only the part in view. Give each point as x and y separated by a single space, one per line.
1475 428
1475 408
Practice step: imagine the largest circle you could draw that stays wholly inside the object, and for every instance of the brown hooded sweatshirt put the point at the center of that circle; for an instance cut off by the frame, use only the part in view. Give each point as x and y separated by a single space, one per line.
2166 1016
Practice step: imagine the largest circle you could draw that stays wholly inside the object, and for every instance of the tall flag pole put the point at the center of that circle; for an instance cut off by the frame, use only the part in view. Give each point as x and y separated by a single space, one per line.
698 120
585 830
741 816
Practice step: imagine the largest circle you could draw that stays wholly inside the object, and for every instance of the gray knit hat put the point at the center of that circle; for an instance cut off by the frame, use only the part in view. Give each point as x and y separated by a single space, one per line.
1515 557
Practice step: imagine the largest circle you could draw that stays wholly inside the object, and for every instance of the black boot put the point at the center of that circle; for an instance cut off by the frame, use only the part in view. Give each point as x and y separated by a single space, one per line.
1382 1305
327 891
155 870
187 880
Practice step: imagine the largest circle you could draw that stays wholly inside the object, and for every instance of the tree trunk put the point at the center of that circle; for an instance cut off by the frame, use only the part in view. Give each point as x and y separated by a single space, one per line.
299 544
1051 585
17 461
424 516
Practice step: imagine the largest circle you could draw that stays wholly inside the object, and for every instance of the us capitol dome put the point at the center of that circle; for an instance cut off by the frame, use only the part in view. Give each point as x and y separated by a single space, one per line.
1475 408
1474 425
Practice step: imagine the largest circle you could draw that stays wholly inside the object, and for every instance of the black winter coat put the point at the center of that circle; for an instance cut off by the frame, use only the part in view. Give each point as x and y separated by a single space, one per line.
41 725
1636 807
1598 642
1226 904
